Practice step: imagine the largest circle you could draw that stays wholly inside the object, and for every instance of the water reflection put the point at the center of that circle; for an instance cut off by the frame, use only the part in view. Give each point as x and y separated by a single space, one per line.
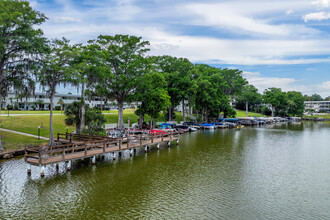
274 172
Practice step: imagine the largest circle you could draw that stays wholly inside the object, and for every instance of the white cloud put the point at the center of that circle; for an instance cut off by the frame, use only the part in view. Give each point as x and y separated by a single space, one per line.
66 19
289 12
246 74
317 16
322 3
288 84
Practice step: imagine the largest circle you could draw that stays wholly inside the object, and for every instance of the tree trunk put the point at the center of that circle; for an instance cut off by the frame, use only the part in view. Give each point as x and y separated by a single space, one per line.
120 114
203 115
206 115
273 110
170 113
246 108
51 136
141 120
183 113
82 109
231 101
197 114
1 107
151 124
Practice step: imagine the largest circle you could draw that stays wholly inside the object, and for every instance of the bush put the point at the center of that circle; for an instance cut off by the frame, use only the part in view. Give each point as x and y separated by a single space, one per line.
57 108
265 110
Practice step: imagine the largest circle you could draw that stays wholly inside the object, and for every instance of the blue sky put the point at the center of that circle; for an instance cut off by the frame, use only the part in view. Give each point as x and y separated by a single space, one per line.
278 43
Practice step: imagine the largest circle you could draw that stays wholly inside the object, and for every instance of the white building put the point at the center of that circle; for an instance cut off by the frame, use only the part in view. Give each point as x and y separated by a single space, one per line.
40 101
318 106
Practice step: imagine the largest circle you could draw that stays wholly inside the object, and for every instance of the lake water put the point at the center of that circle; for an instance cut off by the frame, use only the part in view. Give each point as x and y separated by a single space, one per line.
279 171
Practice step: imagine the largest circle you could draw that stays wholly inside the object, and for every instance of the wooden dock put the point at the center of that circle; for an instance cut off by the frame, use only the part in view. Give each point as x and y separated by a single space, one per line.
74 146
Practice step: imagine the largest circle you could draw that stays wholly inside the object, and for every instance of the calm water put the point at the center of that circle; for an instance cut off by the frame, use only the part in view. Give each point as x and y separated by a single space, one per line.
271 172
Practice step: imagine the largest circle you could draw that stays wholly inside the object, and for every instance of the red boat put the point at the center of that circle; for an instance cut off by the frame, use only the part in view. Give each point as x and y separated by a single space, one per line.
154 131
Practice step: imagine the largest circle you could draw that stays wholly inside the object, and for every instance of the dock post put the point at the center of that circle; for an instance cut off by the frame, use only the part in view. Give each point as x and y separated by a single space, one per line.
42 171
57 167
114 156
68 166
177 141
146 149
158 146
93 160
119 153
169 143
29 169
131 152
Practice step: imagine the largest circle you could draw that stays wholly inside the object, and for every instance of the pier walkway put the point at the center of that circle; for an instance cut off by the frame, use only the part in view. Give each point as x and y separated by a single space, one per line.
74 146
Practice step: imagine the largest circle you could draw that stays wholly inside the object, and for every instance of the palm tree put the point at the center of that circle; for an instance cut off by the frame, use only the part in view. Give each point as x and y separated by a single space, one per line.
61 102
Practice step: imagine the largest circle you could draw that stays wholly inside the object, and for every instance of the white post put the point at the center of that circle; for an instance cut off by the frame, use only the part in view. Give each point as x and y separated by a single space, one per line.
146 149
114 156
93 160
177 141
169 143
68 166
158 146
42 171
29 169
131 152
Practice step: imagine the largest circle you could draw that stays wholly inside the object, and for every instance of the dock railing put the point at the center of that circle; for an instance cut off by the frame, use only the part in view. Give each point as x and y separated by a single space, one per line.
82 146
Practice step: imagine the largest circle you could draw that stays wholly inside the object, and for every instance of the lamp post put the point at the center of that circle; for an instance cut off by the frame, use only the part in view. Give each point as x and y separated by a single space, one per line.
38 132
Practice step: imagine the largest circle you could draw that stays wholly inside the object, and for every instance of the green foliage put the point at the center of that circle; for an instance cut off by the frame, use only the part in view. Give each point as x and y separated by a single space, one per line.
178 73
122 65
94 119
295 103
152 94
248 98
21 43
277 99
265 110
314 97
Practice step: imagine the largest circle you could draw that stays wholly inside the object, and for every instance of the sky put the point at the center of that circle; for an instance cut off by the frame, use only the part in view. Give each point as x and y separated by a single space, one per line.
277 43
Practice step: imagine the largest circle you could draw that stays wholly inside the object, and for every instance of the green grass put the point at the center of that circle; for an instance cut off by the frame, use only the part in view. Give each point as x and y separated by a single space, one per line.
5 113
250 114
29 124
13 141
318 116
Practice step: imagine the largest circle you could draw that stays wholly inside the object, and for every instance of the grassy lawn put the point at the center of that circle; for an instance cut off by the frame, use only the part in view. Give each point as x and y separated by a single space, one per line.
318 116
12 141
5 113
250 114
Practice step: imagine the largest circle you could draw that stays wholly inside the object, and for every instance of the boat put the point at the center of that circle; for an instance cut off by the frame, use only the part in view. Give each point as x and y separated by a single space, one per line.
181 128
208 126
167 126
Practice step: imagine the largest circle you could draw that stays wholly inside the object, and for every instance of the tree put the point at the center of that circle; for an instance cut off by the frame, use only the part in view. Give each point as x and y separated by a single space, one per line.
249 95
234 82
296 105
61 103
152 94
327 98
123 65
20 44
53 72
178 75
276 98
83 68
94 119
316 97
